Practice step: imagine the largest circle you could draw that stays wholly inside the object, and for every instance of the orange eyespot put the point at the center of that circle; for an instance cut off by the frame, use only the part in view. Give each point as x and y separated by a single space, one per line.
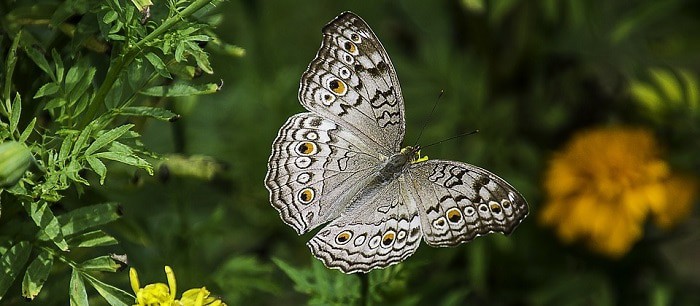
388 238
495 207
506 204
454 215
337 86
306 148
439 223
343 237
306 195
350 47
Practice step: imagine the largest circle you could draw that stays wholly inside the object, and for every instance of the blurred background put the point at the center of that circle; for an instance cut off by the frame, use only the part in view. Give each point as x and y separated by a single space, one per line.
589 108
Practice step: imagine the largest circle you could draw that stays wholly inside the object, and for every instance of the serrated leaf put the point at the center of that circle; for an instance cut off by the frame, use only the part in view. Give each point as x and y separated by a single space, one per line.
43 217
58 63
16 113
101 264
92 239
39 59
181 90
153 112
98 167
78 295
47 89
36 275
107 137
72 171
202 59
11 263
81 87
120 148
126 159
55 102
65 150
158 64
82 140
27 131
113 295
83 218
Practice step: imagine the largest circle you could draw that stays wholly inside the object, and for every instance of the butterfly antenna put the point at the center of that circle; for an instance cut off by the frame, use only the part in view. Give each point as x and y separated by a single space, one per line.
429 118
453 137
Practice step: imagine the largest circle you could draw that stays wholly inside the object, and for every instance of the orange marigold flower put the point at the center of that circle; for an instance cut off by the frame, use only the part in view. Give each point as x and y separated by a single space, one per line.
606 182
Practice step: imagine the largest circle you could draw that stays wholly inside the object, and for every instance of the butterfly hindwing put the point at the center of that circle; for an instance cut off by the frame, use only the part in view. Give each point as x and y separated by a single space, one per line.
458 202
353 82
383 231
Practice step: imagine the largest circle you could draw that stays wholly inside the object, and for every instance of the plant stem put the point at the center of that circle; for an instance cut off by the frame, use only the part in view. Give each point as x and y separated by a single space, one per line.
131 52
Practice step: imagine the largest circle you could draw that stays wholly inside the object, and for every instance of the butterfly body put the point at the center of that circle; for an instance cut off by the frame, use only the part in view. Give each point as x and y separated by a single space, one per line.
341 164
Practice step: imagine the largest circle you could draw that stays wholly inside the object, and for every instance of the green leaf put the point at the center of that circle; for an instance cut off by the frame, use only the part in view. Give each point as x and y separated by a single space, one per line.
78 295
83 218
110 17
158 64
153 112
101 264
126 159
98 167
66 145
300 279
11 263
92 239
181 90
107 138
47 89
16 112
58 62
82 85
668 83
113 295
37 273
39 60
27 131
43 217
82 140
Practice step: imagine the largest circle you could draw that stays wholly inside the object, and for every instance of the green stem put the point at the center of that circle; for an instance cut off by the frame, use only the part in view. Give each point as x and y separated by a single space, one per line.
131 53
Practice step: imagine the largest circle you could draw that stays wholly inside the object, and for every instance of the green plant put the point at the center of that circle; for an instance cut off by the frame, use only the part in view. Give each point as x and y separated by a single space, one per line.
77 80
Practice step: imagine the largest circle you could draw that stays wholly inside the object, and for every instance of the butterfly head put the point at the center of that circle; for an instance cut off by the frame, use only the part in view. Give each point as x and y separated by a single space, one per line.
413 154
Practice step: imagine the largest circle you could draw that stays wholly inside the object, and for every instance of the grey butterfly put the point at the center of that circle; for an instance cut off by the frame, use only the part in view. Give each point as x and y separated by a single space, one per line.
342 163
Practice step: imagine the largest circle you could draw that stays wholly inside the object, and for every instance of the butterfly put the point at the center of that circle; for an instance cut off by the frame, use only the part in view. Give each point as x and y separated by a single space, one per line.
341 164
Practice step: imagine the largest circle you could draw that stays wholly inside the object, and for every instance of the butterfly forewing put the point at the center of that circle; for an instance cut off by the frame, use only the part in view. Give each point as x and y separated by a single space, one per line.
352 81
314 162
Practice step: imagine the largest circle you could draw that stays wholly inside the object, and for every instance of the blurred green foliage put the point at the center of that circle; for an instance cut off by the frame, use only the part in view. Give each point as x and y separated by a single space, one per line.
527 74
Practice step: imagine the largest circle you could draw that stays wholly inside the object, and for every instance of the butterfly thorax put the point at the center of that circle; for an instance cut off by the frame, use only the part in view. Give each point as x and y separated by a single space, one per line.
397 163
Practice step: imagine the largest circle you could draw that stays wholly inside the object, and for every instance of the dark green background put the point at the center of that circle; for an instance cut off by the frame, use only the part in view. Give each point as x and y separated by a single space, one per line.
527 74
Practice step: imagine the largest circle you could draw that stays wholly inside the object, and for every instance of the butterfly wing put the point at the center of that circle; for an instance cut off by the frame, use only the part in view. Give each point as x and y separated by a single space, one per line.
314 166
352 82
458 202
384 230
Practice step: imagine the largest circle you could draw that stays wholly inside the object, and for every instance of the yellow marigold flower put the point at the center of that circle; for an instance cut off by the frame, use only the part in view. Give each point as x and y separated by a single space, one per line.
606 182
160 294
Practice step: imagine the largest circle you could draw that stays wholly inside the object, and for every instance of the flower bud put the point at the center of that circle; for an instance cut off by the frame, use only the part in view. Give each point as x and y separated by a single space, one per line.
15 160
